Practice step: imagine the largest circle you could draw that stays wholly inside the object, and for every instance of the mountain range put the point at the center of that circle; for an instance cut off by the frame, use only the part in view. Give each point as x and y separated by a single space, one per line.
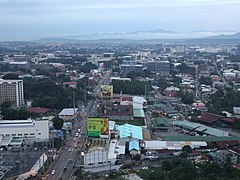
158 34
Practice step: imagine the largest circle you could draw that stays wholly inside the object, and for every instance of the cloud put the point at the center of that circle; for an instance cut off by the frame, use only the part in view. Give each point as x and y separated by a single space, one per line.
63 16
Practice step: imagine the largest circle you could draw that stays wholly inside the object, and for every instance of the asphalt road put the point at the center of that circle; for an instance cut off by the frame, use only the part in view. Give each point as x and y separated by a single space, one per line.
68 158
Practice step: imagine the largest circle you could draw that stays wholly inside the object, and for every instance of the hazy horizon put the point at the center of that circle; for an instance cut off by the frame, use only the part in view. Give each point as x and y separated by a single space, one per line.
28 20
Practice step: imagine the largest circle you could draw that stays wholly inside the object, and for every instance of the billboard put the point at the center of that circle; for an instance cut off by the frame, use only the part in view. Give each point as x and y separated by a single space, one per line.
98 127
106 91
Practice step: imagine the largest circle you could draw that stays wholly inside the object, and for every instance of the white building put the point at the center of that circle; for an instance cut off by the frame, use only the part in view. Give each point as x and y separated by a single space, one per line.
12 90
68 113
29 130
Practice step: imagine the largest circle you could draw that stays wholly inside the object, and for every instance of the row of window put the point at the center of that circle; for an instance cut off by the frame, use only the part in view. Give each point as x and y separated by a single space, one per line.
31 134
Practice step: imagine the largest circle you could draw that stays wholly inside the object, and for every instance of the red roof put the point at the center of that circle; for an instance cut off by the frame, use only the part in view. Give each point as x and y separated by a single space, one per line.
38 110
210 118
225 144
70 83
126 98
229 119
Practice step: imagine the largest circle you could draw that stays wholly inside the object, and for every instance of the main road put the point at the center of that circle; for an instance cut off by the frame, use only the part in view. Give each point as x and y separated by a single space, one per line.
70 153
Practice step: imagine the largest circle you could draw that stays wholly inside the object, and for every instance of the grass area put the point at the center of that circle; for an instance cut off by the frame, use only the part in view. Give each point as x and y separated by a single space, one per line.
133 122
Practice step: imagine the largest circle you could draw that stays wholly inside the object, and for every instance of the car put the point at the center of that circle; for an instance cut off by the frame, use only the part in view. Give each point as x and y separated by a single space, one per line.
65 169
53 172
70 149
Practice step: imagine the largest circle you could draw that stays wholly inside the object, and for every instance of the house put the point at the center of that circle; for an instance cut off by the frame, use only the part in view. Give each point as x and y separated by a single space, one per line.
160 124
209 118
38 110
134 147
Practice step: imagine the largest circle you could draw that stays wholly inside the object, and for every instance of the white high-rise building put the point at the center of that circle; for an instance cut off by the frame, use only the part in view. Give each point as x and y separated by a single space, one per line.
12 90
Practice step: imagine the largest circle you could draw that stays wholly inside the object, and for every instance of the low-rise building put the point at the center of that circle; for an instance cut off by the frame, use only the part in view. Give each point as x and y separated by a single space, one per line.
27 130
68 114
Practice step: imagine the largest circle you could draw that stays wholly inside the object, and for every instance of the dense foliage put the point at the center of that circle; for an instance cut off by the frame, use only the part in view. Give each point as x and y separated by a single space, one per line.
133 87
46 93
184 169
205 80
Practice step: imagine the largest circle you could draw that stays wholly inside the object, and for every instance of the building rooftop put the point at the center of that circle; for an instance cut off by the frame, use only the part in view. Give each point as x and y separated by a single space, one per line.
134 145
138 113
128 130
68 112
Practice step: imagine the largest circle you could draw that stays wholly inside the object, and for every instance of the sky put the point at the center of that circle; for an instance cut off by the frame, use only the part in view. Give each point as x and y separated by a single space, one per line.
33 19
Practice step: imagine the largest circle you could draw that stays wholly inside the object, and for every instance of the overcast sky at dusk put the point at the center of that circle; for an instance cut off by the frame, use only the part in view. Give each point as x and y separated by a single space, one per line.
29 19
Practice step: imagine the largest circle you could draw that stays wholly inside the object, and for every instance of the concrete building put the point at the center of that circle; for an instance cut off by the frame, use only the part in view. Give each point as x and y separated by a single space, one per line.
68 114
127 68
28 130
12 90
19 65
160 67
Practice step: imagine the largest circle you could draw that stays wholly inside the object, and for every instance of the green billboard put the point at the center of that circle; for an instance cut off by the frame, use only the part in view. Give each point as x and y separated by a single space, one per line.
98 127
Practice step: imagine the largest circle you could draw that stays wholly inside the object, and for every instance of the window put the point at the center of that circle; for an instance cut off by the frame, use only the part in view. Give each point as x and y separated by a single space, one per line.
25 134
13 134
19 134
39 133
32 134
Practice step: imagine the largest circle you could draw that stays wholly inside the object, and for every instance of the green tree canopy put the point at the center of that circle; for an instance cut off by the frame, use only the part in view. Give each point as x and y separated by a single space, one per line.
57 123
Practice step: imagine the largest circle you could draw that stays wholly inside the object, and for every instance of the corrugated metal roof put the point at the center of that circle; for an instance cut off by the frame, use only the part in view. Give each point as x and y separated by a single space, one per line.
138 113
128 130
134 145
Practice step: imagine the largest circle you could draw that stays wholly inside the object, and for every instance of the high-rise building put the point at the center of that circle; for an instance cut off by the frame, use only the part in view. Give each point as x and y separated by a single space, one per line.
12 91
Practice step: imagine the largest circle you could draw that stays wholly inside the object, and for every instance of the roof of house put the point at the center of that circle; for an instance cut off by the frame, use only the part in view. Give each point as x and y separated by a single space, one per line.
209 118
134 145
38 110
160 122
229 119
225 144
70 83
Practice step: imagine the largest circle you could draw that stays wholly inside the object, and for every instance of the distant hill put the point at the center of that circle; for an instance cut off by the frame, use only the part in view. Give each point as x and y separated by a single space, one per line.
151 36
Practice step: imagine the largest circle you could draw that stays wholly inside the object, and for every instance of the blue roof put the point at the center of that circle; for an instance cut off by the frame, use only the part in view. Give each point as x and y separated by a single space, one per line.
128 130
134 144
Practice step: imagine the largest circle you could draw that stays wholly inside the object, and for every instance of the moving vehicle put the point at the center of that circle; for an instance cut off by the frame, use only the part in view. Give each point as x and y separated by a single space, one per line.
53 172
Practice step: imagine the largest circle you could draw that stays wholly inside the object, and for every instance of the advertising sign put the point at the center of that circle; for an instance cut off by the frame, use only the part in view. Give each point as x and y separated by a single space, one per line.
106 91
98 127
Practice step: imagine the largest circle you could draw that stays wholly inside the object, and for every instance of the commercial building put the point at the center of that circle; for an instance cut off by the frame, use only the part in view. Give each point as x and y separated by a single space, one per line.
28 130
159 67
127 68
68 114
12 90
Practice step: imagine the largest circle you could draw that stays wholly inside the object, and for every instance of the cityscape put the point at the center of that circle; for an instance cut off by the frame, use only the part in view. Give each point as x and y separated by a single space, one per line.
132 104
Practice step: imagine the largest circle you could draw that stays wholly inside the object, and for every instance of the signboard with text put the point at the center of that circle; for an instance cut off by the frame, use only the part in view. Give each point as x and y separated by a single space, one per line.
98 127
106 91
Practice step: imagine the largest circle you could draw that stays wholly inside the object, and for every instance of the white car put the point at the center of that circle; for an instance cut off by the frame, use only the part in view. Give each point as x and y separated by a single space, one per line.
53 172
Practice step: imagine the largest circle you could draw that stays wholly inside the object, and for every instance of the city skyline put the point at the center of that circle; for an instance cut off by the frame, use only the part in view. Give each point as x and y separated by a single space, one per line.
29 20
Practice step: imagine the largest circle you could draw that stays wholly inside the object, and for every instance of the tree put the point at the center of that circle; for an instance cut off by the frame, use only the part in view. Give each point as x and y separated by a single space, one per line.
187 148
10 76
187 98
205 80
57 123
6 105
13 114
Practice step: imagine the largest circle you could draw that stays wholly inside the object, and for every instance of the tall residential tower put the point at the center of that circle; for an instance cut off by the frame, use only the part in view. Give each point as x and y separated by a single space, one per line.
12 91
